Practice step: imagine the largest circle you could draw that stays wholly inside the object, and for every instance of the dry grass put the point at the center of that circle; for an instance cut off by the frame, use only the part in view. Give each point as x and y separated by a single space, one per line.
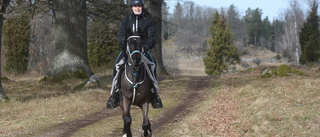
37 106
35 114
244 105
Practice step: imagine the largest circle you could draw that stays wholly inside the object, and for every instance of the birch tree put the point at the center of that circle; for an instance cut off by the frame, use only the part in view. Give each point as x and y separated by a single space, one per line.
293 18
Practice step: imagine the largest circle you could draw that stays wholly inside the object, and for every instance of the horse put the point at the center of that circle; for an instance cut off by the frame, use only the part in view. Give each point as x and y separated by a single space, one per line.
135 86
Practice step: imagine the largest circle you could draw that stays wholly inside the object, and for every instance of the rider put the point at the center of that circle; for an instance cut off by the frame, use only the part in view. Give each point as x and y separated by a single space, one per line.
136 20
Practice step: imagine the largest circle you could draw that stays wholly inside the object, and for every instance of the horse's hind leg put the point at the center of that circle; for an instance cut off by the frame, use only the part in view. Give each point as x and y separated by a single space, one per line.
146 126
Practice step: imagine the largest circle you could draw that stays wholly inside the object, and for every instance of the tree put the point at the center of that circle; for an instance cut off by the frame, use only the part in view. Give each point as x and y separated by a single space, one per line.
154 7
222 52
309 37
104 20
293 20
177 15
253 24
16 40
235 23
266 33
3 6
70 40
277 26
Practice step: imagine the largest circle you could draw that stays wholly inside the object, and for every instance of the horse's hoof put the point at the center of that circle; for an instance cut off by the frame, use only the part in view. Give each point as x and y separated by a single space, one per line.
149 134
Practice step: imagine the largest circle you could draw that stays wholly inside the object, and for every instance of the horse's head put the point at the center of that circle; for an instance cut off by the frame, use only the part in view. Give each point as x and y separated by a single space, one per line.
134 50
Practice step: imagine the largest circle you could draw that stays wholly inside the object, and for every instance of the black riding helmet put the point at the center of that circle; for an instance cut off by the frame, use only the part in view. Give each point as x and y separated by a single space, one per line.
136 2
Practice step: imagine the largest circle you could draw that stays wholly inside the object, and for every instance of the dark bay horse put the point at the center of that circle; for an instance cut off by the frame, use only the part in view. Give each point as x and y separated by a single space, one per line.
135 86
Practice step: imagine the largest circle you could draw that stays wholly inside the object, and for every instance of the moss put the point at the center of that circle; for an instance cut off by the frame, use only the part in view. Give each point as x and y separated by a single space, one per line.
297 72
5 79
267 73
283 70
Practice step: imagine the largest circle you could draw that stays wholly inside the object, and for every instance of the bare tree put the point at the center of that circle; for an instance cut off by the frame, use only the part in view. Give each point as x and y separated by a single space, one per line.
293 18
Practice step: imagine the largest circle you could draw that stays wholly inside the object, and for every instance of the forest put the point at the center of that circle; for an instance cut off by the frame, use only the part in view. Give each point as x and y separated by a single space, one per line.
280 36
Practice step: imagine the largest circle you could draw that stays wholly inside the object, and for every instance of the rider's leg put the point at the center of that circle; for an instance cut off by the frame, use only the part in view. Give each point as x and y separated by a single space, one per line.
114 99
155 98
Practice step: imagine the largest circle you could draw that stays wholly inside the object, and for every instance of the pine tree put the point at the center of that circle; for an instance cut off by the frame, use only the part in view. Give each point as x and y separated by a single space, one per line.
309 37
254 25
222 52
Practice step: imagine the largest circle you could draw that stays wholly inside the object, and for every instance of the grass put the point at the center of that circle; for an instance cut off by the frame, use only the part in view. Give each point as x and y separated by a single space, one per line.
240 104
36 107
245 105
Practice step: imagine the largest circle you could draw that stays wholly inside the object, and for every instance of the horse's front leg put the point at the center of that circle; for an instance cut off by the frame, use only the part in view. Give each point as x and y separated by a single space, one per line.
146 126
125 106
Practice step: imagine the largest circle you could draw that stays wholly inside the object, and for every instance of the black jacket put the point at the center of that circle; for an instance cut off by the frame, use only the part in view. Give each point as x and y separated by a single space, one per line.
145 27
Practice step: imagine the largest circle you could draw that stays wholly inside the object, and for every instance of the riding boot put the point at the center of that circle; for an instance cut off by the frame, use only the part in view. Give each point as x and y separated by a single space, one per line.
156 100
114 100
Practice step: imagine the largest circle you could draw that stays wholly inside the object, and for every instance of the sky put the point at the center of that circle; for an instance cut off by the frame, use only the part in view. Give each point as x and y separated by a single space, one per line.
270 8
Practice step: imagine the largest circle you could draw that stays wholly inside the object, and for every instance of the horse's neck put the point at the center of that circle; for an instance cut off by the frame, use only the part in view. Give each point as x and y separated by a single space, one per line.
139 72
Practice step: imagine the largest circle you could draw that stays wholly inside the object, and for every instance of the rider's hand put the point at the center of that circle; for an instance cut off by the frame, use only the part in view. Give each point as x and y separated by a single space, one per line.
145 48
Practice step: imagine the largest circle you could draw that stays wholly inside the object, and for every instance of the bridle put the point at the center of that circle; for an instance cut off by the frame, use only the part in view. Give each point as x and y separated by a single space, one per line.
129 53
135 74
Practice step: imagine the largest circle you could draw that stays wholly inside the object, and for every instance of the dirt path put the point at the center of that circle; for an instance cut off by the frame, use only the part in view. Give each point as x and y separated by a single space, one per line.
194 93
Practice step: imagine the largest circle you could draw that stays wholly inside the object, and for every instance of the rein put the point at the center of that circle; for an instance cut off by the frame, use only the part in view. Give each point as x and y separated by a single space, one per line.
134 83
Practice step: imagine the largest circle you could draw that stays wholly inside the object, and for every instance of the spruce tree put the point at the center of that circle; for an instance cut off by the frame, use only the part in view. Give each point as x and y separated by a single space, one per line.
309 37
104 22
222 53
16 41
103 47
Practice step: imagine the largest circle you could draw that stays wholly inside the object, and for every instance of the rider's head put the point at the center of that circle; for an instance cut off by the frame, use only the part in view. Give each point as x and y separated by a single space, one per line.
136 6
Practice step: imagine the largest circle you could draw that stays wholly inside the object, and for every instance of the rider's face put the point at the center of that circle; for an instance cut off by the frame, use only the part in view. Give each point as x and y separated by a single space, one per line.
137 9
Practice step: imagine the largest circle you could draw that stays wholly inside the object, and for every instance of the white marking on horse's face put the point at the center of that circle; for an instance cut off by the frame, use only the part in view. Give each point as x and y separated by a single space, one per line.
125 135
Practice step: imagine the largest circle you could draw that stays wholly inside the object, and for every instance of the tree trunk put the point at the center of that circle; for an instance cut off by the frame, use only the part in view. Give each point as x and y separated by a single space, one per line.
70 40
154 7
3 6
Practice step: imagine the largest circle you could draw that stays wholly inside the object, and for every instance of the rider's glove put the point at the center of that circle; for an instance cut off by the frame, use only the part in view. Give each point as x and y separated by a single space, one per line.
145 47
